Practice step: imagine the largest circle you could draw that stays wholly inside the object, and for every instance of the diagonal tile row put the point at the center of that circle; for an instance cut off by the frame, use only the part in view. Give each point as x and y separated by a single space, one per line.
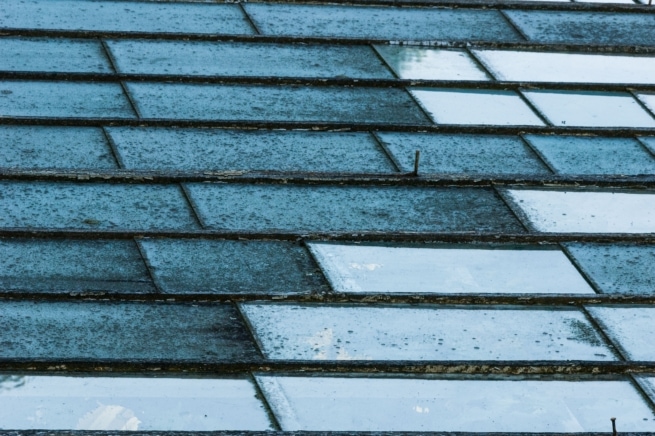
188 149
331 21
205 267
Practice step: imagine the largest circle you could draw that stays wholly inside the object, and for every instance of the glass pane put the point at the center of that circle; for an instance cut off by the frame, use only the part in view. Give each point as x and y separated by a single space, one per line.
375 269
387 404
632 329
459 106
586 211
313 332
430 63
129 403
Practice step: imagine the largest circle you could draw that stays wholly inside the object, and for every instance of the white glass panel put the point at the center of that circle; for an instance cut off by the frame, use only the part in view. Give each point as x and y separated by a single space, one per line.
648 100
361 268
112 403
458 106
590 109
430 63
310 332
382 404
631 328
525 66
586 212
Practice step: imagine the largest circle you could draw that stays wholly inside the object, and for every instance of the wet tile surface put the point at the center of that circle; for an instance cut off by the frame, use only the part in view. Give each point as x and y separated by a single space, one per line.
591 109
617 268
232 267
649 142
93 206
395 404
246 59
116 16
586 211
520 66
430 64
63 99
117 332
448 269
65 266
630 328
215 149
648 99
320 332
461 106
592 155
276 103
585 27
294 208
61 55
129 403
380 22
463 154
54 147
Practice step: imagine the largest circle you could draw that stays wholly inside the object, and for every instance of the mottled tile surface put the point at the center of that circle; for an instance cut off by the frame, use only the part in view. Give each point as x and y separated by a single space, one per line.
53 55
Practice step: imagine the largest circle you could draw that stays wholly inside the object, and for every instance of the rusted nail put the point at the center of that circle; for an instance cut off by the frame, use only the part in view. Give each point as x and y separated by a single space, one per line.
417 156
613 426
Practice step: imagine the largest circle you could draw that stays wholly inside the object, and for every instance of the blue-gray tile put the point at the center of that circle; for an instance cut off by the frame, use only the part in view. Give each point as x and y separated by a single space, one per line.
586 27
297 208
246 59
54 147
120 16
65 266
232 267
53 55
63 99
385 23
109 331
617 268
649 142
93 206
589 155
463 154
276 103
266 150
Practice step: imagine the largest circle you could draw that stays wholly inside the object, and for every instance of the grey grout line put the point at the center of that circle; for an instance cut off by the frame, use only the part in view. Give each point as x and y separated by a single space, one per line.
248 18
387 152
113 148
192 206
513 25
538 153
146 263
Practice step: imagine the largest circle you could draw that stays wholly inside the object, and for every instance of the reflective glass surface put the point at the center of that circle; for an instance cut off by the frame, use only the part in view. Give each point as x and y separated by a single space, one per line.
631 329
430 63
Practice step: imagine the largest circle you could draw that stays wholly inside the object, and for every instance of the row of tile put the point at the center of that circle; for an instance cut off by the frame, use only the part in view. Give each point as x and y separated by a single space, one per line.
328 403
92 331
201 266
332 21
166 149
331 104
225 59
297 209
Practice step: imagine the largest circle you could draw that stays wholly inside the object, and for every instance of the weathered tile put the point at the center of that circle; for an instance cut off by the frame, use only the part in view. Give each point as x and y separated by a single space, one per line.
246 59
341 403
130 403
648 384
121 332
63 99
386 23
448 269
53 55
534 66
66 266
631 329
331 332
276 103
590 155
330 208
586 211
475 106
54 147
430 63
93 206
266 150
649 142
617 268
648 99
611 28
117 16
463 154
232 267
590 109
